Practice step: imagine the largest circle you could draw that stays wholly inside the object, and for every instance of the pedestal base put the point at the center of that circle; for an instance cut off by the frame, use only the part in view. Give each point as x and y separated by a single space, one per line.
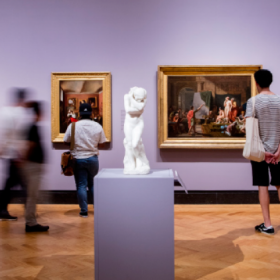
134 225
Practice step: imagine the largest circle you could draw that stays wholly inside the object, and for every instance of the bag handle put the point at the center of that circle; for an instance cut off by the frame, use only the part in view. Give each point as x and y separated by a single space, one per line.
253 101
72 142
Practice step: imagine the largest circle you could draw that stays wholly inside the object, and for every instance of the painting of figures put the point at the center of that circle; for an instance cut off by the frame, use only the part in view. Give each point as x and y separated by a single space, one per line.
204 107
207 106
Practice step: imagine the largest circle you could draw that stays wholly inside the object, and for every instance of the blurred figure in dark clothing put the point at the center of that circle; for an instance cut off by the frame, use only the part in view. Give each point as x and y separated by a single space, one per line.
33 170
14 121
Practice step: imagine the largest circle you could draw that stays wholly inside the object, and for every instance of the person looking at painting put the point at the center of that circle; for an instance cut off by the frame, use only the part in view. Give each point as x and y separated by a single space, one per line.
191 118
33 169
267 111
88 135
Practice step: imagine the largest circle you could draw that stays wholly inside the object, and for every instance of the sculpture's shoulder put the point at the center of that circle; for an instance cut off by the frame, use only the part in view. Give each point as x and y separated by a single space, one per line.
126 96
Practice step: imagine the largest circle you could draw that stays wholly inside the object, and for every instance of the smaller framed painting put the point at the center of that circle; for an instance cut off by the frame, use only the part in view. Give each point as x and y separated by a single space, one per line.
70 90
93 102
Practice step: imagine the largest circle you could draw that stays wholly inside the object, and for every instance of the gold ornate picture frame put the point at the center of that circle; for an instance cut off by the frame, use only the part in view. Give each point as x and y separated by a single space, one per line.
203 107
74 87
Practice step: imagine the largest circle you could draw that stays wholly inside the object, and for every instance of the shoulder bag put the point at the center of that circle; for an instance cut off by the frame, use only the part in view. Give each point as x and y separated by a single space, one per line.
253 149
67 160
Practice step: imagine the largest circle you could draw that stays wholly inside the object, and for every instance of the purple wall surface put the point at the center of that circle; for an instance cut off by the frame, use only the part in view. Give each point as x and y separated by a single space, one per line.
130 39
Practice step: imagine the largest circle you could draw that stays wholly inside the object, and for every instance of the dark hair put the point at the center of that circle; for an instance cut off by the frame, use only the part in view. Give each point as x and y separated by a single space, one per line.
18 95
21 94
191 107
263 78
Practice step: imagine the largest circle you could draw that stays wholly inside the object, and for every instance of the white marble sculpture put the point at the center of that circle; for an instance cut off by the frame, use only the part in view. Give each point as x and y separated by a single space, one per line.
135 160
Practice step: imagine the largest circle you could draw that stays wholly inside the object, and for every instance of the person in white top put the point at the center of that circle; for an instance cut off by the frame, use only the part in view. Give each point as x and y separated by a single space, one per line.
13 126
88 135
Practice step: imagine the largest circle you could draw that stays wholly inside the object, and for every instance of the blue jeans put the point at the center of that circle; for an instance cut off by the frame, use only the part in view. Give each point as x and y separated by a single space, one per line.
84 172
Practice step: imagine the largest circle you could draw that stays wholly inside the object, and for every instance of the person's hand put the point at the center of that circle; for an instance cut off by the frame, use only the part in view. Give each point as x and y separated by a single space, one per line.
276 157
269 157
272 158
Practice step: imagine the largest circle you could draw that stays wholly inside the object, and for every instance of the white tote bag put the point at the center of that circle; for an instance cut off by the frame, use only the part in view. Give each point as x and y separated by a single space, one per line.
253 149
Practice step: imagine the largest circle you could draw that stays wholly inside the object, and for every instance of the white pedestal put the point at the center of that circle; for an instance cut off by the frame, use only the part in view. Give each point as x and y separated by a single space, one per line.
134 225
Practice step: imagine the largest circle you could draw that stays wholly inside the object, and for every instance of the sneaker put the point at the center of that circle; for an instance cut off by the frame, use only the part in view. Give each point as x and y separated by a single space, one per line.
84 214
36 228
5 216
262 228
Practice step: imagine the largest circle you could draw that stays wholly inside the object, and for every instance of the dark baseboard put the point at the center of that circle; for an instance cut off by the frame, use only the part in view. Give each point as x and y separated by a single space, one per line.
47 197
221 197
180 197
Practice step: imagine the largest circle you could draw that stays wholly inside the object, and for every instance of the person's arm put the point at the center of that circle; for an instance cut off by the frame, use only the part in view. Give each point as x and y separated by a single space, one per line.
32 138
30 146
67 136
249 109
139 105
102 139
199 107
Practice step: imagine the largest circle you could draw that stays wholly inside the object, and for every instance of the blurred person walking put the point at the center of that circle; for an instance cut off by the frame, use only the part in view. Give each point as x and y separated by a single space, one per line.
13 125
267 111
33 169
88 135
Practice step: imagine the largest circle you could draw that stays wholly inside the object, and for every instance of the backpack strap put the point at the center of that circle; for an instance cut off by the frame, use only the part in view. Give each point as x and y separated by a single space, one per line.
72 142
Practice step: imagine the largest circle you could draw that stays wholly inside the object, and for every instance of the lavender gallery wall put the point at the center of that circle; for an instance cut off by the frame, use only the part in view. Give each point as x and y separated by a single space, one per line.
130 39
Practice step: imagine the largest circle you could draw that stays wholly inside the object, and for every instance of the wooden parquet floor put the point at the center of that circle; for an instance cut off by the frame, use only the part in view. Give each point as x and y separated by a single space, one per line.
211 242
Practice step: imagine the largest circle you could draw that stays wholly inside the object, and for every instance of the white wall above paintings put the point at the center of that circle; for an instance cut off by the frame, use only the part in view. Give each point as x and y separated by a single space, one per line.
130 39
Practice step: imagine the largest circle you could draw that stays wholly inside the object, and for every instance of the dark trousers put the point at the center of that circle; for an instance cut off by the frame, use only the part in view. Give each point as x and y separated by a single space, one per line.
84 172
15 178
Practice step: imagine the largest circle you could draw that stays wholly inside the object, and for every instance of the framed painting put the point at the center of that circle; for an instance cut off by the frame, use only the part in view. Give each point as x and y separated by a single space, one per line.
71 102
69 90
93 102
203 107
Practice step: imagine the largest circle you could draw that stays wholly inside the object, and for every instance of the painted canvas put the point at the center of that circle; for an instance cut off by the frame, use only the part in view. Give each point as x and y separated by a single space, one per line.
207 106
82 92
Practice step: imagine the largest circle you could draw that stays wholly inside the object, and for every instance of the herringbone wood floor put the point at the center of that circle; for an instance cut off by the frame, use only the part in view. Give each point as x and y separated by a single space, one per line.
211 242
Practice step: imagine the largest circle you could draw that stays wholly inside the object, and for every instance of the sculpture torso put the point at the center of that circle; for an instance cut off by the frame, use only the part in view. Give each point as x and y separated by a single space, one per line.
135 161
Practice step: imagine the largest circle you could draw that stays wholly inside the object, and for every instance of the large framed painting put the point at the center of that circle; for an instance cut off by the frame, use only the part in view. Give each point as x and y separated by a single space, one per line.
204 106
70 90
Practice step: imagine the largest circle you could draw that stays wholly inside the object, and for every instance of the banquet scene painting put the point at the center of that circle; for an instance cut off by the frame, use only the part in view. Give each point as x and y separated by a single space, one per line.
73 93
207 106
